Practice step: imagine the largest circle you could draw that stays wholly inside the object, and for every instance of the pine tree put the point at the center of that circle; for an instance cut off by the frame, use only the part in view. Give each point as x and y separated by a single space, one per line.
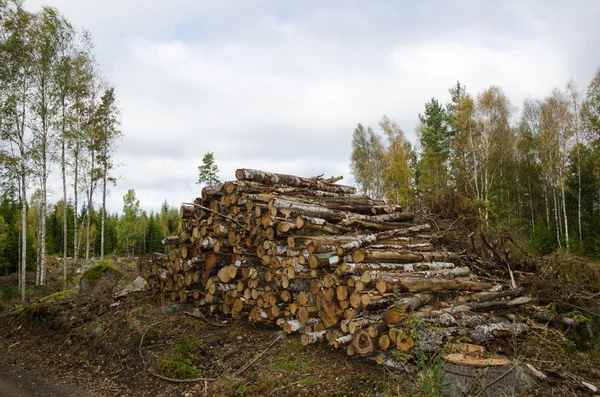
208 171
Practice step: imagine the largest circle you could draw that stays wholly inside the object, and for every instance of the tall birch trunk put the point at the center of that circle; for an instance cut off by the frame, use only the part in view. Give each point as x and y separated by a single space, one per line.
530 203
23 164
579 190
547 201
104 180
76 209
556 218
44 208
564 205
22 278
64 182
89 210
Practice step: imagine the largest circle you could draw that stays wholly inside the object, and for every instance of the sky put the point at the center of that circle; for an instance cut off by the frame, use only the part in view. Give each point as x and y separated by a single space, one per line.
280 85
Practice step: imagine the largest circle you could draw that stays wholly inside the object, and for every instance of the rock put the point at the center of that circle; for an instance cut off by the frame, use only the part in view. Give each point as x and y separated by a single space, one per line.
102 269
172 309
137 285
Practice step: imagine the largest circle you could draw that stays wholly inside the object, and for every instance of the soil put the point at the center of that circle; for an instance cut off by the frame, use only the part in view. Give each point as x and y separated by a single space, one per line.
93 342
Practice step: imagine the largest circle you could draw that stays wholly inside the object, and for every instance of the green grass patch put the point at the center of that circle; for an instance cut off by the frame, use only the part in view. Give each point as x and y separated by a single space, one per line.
293 363
58 296
179 363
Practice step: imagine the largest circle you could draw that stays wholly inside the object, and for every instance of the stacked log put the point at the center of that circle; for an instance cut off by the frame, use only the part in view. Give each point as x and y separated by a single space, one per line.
318 259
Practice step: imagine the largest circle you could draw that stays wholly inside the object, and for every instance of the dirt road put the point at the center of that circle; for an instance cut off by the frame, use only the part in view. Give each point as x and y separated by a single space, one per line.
15 383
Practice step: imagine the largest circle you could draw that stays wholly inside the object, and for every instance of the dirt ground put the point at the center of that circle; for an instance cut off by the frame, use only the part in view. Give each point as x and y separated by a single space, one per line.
112 347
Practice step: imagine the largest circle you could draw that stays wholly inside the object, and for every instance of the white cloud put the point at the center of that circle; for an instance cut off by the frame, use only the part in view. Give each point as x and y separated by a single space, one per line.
280 87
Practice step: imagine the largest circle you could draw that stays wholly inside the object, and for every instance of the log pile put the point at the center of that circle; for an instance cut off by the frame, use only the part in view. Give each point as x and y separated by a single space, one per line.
318 259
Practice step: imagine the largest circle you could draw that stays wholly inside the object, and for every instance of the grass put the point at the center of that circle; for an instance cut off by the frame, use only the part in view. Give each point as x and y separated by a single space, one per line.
179 363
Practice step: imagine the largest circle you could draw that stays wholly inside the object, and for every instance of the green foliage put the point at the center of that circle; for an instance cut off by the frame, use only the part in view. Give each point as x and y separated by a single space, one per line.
542 239
58 296
294 363
179 363
359 386
366 160
208 171
435 143
8 293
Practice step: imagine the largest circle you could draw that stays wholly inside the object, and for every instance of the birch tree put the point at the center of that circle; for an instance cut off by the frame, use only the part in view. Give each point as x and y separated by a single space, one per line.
366 161
397 174
108 133
16 49
64 77
575 105
555 134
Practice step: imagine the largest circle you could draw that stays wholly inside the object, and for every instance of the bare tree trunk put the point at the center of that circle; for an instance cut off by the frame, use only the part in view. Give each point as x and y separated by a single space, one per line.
531 203
564 205
89 210
579 190
38 260
43 211
556 218
547 205
23 273
76 209
104 197
64 182
22 279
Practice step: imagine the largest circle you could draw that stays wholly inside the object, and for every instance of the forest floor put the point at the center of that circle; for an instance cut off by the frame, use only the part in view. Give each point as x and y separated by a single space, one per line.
115 347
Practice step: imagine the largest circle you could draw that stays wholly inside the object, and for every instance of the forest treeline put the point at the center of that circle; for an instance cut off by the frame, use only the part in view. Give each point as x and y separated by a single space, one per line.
532 171
59 119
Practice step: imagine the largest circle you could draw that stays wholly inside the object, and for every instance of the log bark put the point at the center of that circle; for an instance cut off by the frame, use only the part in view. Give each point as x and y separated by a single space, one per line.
268 178
358 268
312 337
426 285
391 256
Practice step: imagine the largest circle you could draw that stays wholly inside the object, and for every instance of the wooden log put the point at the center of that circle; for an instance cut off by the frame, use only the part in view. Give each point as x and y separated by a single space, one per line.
403 231
339 340
269 178
362 209
318 224
170 240
441 273
359 268
364 343
393 217
545 317
392 256
312 337
429 285
427 246
494 296
187 211
396 313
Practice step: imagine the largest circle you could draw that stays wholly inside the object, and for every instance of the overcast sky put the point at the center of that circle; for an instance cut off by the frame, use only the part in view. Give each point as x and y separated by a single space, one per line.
280 85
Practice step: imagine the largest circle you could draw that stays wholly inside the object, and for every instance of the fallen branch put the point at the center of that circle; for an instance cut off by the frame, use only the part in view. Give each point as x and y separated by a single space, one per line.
216 213
201 317
255 359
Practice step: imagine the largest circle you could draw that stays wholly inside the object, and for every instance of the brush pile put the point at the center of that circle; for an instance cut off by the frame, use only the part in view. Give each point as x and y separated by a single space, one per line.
316 258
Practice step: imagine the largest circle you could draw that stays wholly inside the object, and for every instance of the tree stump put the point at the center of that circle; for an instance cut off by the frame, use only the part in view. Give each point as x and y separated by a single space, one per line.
471 374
